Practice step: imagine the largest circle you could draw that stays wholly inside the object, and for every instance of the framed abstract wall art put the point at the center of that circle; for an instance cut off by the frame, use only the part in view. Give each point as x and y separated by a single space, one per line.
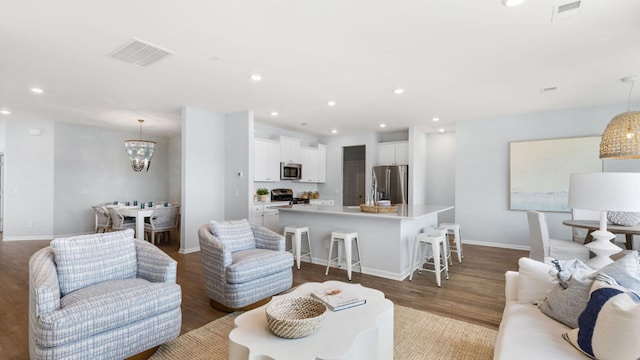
539 171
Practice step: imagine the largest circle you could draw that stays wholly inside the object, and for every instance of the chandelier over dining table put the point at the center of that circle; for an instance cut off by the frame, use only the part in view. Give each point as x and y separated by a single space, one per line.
140 152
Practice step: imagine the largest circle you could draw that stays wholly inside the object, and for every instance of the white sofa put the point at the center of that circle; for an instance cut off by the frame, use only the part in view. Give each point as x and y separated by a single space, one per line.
525 332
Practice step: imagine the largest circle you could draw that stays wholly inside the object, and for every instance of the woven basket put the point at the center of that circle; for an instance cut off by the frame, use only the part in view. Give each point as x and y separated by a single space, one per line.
293 318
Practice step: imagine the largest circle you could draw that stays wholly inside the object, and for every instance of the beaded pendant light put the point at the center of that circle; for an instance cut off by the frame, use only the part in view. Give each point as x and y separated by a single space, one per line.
621 138
140 152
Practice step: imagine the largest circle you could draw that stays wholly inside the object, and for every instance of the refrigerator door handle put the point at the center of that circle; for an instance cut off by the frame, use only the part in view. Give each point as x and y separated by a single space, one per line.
387 187
402 175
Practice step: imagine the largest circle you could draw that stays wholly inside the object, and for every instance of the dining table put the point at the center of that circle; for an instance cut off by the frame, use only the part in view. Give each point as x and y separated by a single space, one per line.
139 214
593 225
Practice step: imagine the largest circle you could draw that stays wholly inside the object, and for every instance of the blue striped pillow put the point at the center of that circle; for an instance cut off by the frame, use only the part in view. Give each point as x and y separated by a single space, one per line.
610 324
235 235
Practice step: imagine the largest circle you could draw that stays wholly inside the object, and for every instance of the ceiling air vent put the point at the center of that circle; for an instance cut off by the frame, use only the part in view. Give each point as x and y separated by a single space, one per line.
567 10
140 53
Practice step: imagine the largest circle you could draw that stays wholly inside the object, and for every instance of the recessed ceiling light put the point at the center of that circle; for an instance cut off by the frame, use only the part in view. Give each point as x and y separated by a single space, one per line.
512 3
331 103
398 91
383 125
274 113
37 90
441 131
5 112
256 77
435 119
334 131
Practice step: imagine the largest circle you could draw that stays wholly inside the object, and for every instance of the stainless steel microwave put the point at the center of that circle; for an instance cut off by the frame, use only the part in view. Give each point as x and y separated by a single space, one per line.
290 171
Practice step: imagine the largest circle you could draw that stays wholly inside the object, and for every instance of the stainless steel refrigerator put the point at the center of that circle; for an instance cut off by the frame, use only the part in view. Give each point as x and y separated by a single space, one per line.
391 182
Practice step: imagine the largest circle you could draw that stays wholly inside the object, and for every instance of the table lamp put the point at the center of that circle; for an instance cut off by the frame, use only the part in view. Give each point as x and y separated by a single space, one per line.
604 192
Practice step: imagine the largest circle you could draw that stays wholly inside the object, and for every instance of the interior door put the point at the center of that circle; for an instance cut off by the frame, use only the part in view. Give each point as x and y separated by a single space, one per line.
353 176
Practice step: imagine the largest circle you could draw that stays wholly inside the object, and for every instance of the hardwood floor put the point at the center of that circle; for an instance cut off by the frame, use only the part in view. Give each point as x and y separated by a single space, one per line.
474 293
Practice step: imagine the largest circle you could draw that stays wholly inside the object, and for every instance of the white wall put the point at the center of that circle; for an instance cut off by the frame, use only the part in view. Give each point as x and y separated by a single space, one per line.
91 167
333 187
482 170
175 169
418 167
203 173
266 131
238 165
28 211
441 172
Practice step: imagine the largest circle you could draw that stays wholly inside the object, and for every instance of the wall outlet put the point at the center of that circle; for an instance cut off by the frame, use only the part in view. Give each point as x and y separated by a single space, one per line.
29 224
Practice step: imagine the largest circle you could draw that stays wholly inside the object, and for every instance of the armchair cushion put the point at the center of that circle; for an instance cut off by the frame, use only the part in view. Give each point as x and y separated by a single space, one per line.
253 264
235 235
91 259
105 306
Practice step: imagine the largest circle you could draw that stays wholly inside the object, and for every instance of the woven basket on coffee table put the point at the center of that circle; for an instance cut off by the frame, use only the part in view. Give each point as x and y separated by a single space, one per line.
296 317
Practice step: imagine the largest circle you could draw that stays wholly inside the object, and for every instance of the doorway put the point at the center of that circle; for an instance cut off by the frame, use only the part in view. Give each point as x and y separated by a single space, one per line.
353 175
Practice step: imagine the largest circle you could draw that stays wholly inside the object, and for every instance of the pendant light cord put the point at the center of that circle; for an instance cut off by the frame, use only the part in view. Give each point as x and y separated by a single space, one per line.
629 99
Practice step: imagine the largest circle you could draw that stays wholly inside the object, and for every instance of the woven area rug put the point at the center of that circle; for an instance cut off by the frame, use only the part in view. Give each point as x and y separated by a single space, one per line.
417 335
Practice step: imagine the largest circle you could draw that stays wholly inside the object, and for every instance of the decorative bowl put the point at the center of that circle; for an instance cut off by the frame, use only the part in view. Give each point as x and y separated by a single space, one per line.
296 317
623 218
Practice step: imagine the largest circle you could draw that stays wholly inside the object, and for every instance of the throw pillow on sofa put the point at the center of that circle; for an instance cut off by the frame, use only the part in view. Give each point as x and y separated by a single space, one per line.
626 271
568 298
535 281
610 324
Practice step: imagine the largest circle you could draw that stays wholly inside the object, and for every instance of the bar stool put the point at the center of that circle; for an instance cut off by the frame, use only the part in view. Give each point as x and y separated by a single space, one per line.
437 239
296 242
453 229
346 238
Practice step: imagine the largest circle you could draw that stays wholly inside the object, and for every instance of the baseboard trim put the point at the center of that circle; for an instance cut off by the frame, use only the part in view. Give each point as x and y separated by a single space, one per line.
27 238
498 245
189 250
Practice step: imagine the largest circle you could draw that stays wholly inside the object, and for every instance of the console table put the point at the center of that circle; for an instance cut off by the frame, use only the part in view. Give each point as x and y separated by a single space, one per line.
361 332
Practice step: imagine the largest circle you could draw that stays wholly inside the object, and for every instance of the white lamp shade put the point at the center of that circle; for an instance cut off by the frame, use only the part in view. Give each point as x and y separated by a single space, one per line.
605 191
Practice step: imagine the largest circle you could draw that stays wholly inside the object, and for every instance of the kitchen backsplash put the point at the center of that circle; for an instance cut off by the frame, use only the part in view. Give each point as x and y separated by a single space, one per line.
297 187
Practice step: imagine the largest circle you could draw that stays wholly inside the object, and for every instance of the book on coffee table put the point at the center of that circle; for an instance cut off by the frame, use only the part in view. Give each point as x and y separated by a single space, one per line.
338 299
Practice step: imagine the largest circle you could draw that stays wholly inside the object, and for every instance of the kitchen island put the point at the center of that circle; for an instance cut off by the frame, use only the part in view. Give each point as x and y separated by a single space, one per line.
386 239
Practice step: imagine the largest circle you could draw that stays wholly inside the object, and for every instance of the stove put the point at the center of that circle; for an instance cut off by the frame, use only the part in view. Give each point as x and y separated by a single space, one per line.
286 195
299 201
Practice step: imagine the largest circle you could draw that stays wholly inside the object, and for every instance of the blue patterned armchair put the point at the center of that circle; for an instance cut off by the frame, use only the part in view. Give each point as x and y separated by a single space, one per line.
101 296
244 264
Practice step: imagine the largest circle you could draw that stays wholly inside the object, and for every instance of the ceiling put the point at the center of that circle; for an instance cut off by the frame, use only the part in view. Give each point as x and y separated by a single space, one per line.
457 60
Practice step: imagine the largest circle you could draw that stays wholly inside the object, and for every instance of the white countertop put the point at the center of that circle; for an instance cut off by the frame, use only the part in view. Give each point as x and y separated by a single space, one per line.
404 211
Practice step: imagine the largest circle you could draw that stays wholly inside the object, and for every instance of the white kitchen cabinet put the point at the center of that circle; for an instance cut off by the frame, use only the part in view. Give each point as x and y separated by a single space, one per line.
322 163
393 153
314 164
265 216
289 150
266 166
271 220
309 161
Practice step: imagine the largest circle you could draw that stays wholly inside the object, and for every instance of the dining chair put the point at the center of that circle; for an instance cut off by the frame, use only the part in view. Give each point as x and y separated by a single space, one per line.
103 219
161 221
119 221
542 246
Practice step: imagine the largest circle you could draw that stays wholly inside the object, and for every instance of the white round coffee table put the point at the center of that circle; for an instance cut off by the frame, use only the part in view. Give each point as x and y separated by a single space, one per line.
361 332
